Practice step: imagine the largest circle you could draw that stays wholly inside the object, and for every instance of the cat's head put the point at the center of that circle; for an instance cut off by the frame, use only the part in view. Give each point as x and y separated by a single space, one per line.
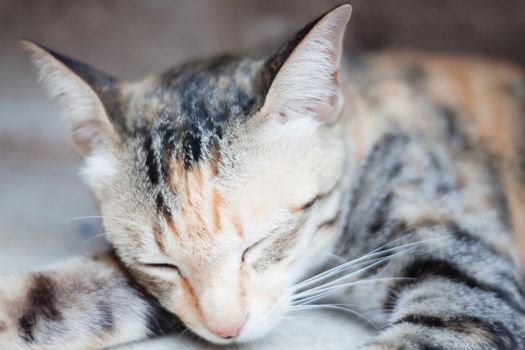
220 180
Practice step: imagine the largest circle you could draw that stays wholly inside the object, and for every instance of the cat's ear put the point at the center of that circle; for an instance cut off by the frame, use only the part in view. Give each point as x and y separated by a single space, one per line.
303 76
86 95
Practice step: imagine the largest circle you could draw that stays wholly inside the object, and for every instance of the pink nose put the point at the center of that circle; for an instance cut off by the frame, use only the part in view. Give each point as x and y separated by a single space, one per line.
227 331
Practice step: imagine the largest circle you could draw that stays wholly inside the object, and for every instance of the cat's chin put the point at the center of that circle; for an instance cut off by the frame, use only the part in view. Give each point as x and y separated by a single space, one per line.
249 334
252 331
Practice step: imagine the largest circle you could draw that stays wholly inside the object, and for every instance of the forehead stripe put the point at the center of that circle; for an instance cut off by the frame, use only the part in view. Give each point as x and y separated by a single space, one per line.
162 207
151 163
159 239
167 152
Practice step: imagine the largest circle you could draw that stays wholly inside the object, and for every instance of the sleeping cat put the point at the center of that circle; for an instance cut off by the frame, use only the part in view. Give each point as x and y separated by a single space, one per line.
227 184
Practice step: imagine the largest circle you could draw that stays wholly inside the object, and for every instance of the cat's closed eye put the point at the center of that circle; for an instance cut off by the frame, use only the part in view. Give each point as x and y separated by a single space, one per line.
247 250
164 266
310 203
307 205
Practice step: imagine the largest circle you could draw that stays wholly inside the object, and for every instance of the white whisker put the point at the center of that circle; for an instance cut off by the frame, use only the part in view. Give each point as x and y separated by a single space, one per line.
352 274
102 235
338 269
377 262
316 295
93 238
123 220
372 256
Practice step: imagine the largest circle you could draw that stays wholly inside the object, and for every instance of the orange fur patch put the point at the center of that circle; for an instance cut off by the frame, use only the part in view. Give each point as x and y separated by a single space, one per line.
190 296
217 202
173 230
236 221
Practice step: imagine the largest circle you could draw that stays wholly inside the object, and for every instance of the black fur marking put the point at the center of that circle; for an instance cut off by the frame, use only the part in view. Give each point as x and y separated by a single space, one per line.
471 239
163 208
436 163
395 170
106 319
381 214
203 101
423 320
414 75
167 151
159 320
500 198
430 347
105 86
452 128
371 193
386 147
90 75
41 306
497 334
444 185
160 203
465 236
423 268
274 64
277 250
451 121
151 163
191 146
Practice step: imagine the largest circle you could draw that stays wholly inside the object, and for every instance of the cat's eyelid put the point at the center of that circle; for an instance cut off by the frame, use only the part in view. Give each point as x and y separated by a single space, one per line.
308 204
316 198
253 245
162 266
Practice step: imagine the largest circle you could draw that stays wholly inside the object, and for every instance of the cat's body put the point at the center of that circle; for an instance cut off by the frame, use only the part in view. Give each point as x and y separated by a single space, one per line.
441 139
246 174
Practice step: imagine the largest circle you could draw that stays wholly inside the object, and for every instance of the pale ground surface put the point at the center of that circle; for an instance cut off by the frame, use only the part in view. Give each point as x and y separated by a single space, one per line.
304 330
312 330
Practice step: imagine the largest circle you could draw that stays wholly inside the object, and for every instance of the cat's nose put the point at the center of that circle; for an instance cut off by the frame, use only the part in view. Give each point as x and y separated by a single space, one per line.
228 330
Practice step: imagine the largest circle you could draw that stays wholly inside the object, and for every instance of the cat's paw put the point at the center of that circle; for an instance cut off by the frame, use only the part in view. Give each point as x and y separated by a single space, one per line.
411 337
403 337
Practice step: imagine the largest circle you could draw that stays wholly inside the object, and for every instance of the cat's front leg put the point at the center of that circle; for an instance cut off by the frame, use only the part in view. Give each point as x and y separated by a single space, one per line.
81 304
461 294
447 316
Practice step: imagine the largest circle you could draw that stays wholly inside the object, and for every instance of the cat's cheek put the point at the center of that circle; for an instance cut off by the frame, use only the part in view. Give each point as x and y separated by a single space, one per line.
260 321
268 299
181 301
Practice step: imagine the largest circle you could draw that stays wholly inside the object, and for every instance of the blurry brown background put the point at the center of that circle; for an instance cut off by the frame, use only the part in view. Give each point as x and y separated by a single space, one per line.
39 189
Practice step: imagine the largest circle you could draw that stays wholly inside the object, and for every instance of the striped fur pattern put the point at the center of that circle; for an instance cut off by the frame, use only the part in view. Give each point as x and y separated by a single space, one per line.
225 183
79 304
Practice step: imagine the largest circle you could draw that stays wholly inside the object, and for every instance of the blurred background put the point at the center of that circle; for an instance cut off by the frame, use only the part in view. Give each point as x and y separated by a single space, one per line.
40 193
